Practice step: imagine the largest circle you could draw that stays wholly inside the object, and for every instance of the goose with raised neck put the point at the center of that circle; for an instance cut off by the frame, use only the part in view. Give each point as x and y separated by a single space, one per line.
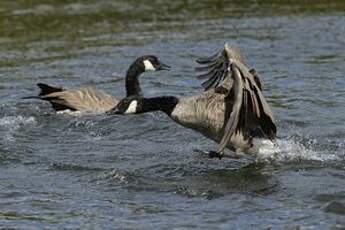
89 99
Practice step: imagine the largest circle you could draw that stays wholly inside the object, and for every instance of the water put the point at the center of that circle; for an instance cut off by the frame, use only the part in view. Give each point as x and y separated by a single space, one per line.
61 171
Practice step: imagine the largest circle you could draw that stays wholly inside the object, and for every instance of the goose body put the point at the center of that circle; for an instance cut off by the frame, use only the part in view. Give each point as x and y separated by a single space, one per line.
190 113
232 111
89 99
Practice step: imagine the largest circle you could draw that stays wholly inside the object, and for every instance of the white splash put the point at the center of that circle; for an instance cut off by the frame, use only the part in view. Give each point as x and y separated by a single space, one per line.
117 176
69 112
12 123
290 150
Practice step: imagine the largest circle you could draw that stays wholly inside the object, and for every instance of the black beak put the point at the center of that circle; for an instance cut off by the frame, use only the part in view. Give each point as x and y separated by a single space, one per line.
163 66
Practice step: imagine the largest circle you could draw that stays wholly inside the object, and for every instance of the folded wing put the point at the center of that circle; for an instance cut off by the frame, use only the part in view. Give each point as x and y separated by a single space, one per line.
85 100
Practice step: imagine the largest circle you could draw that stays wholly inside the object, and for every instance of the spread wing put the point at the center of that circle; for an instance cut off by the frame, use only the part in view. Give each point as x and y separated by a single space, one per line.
217 66
246 109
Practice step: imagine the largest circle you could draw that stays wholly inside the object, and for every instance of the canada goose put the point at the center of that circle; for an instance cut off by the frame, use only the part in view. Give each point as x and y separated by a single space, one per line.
89 99
232 111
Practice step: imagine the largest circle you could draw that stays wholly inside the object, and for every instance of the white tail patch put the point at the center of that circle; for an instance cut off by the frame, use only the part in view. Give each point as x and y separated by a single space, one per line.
148 66
69 112
132 108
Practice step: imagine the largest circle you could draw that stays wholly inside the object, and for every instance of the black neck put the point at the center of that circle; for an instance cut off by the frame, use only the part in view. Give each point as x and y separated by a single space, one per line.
132 82
165 104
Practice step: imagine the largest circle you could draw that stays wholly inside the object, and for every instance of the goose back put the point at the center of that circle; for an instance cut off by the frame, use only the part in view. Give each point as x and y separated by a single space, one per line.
85 99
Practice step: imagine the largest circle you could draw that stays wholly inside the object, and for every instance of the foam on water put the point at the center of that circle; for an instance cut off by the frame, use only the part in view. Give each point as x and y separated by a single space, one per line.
69 112
284 150
13 123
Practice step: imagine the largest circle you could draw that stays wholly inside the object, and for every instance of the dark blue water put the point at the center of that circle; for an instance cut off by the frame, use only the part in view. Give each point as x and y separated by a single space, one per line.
62 171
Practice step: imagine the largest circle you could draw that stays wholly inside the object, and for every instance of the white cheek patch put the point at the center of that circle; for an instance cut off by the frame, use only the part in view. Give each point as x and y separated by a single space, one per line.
132 108
148 66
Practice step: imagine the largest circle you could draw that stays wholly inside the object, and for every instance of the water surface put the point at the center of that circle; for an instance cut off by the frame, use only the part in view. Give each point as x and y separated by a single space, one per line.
97 171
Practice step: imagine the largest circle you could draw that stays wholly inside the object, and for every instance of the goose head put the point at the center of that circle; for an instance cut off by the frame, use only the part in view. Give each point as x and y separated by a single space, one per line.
151 63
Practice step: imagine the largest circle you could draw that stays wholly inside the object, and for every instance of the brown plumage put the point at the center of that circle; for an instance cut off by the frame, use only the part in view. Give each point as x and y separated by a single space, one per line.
85 99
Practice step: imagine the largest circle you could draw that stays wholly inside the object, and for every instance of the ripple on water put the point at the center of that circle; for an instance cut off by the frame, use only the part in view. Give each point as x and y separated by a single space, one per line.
117 177
73 167
336 208
190 180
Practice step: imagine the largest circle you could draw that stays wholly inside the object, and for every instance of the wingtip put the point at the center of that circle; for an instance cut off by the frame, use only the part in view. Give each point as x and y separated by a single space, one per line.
226 46
207 60
233 52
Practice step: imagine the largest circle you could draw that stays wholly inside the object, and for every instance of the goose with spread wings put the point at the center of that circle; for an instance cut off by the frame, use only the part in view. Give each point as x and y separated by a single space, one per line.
89 99
231 111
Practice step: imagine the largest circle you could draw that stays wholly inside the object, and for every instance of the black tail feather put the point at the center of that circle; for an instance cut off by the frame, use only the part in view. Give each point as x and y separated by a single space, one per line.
47 89
31 97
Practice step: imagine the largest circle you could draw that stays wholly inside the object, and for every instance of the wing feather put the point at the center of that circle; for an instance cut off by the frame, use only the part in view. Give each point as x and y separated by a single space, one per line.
232 122
207 60
248 106
217 66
